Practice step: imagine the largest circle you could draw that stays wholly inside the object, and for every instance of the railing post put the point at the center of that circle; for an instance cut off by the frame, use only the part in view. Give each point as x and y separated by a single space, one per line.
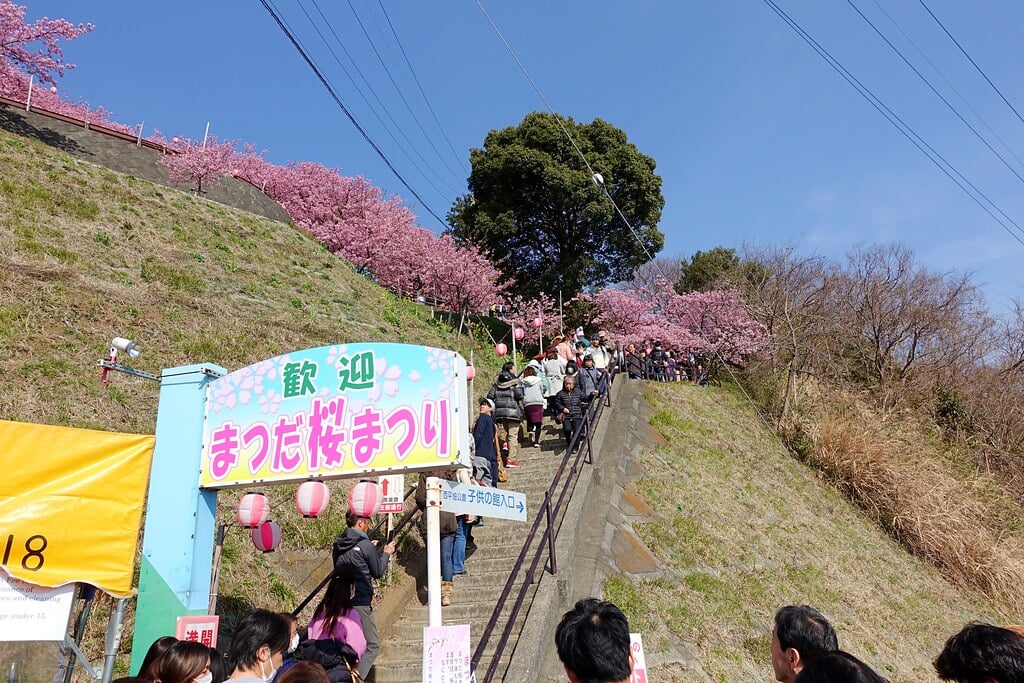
551 533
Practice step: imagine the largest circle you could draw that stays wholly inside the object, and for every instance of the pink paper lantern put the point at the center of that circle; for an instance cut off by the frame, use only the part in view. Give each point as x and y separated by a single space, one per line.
470 372
174 140
253 510
537 322
500 349
518 333
267 536
311 498
364 499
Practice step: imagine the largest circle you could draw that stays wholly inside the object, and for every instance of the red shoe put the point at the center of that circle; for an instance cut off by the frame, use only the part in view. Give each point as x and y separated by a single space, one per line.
512 464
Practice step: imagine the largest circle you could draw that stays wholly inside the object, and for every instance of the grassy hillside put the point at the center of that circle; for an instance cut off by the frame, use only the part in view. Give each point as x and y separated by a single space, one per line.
87 254
742 528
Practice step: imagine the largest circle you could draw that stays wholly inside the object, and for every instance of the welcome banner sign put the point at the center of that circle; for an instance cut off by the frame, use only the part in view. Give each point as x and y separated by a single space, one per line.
334 412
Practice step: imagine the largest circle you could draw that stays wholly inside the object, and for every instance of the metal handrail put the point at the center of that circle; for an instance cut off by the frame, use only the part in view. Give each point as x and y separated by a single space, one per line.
594 411
405 519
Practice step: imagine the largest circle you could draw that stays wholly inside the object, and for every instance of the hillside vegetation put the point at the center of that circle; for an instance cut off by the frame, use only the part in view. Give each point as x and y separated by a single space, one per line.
741 528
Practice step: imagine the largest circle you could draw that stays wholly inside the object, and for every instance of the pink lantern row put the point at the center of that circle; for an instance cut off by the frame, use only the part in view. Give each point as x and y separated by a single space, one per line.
518 333
500 349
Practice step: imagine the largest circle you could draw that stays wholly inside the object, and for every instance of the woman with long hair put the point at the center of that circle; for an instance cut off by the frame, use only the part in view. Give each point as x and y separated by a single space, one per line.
184 662
335 618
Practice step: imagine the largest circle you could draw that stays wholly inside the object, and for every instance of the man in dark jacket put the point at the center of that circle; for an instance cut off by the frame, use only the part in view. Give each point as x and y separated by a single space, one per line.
356 555
507 394
570 405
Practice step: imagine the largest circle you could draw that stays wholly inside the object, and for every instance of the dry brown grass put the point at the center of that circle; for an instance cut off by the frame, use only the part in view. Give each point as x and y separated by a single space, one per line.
956 518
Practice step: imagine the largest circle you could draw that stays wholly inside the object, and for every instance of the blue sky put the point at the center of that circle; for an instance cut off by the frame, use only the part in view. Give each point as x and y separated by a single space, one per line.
756 138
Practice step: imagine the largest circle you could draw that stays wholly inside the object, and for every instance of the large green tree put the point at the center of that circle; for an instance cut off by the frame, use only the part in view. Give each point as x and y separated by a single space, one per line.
535 209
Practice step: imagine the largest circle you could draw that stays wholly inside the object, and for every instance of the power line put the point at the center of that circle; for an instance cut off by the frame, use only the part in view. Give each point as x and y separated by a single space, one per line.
401 95
971 60
935 90
268 5
959 179
380 103
419 85
945 80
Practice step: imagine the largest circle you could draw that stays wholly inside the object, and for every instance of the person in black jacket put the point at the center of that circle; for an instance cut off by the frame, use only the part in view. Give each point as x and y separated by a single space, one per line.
570 404
357 556
507 394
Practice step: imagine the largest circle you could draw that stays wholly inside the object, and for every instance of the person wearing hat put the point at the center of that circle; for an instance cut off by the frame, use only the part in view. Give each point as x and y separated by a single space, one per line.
357 556
485 438
599 351
507 394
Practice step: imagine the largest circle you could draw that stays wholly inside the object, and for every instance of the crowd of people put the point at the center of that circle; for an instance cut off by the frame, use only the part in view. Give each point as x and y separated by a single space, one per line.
592 641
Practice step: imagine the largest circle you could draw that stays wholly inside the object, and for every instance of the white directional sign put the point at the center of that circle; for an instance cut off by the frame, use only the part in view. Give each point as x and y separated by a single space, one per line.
484 501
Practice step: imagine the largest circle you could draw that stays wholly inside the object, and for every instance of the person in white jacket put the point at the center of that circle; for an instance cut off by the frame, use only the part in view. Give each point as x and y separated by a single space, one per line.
533 403
554 371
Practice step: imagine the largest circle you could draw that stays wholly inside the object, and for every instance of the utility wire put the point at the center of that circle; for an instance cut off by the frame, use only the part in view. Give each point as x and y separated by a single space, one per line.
945 80
935 90
401 95
419 85
951 172
971 60
269 6
380 103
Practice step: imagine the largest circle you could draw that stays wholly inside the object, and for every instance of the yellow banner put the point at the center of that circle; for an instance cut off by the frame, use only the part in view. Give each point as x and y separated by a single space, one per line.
71 503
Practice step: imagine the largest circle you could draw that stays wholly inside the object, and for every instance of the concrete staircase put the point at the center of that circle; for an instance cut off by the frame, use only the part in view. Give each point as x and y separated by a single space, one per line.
488 567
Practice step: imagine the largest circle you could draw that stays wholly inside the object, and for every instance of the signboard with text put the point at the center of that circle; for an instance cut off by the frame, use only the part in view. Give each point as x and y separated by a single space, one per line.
483 501
336 411
636 647
201 628
446 654
30 612
392 489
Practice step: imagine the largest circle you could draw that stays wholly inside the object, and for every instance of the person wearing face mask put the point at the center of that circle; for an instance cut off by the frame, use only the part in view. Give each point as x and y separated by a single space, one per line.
184 662
293 644
258 646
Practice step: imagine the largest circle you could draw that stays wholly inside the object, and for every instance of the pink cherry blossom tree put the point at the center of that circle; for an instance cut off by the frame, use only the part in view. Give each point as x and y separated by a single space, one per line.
197 163
34 48
712 323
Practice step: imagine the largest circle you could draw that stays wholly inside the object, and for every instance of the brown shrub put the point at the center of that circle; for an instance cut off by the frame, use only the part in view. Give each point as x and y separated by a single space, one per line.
951 518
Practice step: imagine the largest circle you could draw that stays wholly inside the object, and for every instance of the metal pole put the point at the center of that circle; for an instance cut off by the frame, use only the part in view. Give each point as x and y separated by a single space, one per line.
113 641
472 394
215 580
515 362
433 513
206 134
28 100
540 330
561 320
138 140
551 532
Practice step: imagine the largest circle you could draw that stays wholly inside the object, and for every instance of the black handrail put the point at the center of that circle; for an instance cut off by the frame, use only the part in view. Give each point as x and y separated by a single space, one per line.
594 411
375 530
